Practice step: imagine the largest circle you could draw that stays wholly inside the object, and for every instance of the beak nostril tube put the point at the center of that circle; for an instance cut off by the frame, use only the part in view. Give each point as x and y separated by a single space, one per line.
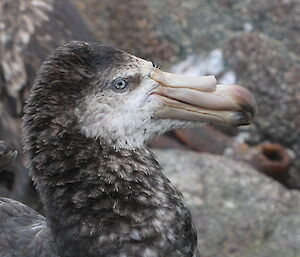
204 83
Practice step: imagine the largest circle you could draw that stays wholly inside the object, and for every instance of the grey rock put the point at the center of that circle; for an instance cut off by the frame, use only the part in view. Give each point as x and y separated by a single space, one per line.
237 211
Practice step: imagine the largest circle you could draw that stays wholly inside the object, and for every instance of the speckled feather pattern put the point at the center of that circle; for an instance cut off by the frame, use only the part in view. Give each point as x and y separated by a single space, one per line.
99 200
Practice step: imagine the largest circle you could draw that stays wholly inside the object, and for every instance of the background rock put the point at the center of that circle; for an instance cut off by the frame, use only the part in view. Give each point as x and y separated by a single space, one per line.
237 212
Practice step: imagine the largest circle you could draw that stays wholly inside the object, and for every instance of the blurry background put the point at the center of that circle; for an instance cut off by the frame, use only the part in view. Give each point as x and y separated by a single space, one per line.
238 210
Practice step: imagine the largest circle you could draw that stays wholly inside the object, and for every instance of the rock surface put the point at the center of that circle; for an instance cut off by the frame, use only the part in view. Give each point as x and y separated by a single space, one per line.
237 211
252 42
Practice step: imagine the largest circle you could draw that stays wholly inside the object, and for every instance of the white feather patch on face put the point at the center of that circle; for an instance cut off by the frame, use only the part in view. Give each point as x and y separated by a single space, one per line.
122 119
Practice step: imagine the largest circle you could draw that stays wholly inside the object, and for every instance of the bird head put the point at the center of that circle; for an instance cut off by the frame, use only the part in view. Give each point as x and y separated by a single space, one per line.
126 101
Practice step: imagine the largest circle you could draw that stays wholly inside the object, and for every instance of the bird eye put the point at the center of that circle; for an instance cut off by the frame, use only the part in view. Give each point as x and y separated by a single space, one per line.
155 65
120 83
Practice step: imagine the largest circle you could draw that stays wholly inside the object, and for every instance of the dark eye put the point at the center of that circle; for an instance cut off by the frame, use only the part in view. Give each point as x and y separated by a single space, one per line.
120 83
155 65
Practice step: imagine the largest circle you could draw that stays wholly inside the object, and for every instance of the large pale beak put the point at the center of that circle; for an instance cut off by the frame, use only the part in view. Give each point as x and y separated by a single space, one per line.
201 99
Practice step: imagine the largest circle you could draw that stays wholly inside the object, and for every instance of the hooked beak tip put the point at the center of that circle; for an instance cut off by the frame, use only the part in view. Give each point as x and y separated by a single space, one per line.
242 118
251 109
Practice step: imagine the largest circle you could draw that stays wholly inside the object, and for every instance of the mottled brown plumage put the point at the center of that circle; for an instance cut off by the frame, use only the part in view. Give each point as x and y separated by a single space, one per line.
100 198
91 112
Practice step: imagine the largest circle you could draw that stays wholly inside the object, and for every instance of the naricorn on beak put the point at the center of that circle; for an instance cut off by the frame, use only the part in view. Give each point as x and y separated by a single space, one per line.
201 99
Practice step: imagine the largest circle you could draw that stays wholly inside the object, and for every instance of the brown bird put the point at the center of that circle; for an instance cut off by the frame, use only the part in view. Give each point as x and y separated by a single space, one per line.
91 113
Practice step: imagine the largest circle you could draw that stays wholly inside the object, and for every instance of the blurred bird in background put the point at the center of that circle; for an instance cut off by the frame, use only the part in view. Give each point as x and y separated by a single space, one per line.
29 31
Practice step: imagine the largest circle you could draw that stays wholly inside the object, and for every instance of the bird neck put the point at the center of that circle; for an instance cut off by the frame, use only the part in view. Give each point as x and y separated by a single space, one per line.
98 198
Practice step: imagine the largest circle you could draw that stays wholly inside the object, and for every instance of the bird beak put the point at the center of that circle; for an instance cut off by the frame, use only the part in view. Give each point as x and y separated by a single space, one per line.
201 99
